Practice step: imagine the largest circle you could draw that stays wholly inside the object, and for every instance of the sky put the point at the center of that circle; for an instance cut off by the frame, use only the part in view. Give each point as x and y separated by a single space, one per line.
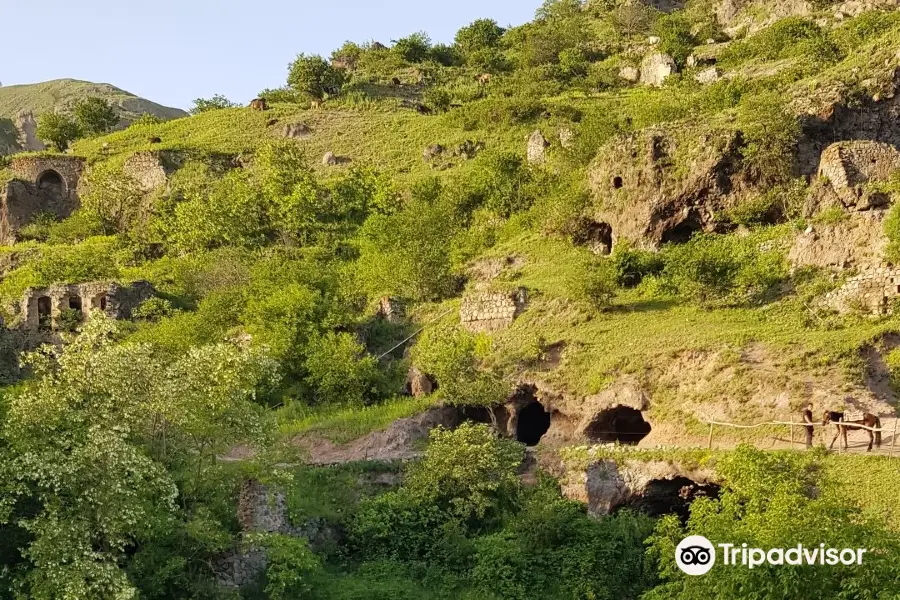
173 51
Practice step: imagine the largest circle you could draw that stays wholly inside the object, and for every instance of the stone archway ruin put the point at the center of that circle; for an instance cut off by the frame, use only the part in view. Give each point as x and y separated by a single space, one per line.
52 182
619 424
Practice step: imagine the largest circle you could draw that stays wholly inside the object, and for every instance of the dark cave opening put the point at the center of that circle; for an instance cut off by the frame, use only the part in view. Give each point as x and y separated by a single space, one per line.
621 424
671 496
683 231
617 182
533 423
598 236
51 181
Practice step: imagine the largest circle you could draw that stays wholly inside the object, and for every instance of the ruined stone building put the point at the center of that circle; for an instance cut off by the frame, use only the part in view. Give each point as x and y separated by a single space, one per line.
41 308
41 184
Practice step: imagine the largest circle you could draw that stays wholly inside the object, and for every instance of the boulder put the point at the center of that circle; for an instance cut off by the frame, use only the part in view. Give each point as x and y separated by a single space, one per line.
418 384
566 138
537 148
630 74
330 160
656 68
296 131
708 76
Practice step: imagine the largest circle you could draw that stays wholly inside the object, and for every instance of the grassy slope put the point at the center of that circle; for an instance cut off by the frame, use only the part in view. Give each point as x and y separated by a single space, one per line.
61 93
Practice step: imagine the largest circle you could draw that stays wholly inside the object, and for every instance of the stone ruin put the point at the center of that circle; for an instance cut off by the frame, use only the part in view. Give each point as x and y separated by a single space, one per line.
41 309
40 184
27 126
871 291
848 166
152 169
391 310
492 311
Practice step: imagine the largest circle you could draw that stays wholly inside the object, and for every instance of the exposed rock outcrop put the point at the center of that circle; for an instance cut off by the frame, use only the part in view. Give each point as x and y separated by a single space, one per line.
656 68
849 166
27 126
537 148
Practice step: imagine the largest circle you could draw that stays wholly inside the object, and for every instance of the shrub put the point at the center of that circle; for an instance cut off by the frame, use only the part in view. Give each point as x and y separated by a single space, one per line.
314 76
675 37
771 133
593 283
713 269
632 265
217 102
413 48
790 37
438 99
339 370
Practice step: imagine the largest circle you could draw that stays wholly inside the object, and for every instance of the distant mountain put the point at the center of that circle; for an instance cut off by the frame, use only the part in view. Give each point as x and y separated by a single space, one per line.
18 101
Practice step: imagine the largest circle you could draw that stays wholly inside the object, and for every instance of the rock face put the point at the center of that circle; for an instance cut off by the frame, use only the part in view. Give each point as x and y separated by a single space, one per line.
642 197
631 74
654 486
849 166
656 67
28 139
537 148
856 241
418 384
492 311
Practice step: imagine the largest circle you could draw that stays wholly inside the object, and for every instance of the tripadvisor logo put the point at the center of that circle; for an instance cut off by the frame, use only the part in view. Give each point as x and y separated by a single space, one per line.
696 555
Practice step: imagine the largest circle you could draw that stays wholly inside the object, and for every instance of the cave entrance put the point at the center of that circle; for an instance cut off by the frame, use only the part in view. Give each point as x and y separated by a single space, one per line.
671 496
621 424
75 303
683 232
44 310
52 182
533 423
597 236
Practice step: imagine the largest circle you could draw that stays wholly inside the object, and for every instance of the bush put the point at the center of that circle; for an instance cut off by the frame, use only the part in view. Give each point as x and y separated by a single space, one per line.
313 76
787 38
339 370
713 269
413 48
675 37
632 265
593 283
771 133
217 102
438 99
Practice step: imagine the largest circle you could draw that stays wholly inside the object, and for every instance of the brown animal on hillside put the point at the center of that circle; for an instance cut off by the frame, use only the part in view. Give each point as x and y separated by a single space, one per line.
484 78
315 103
155 140
259 104
842 427
396 81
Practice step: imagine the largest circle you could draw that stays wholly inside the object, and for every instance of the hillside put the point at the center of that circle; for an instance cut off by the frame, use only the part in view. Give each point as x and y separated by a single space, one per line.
423 324
62 95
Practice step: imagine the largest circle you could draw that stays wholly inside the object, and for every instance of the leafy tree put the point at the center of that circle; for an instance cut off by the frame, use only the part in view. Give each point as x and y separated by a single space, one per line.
771 133
217 102
314 76
413 48
113 198
675 37
58 129
479 35
95 116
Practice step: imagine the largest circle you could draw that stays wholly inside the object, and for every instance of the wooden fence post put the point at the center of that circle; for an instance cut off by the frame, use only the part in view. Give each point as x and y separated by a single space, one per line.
894 438
709 443
792 432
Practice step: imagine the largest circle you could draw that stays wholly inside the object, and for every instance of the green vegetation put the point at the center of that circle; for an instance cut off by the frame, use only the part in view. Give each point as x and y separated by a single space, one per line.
123 449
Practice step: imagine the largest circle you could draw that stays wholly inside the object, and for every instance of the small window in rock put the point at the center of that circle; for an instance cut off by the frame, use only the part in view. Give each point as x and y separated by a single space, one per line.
617 182
101 302
75 303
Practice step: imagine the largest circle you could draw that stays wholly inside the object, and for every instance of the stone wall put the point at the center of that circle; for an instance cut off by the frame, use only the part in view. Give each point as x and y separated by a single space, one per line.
22 201
491 311
41 308
872 291
850 165
151 169
34 169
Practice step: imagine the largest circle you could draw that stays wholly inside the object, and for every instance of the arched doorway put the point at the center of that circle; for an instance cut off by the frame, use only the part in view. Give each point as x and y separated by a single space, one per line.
45 313
52 182
533 423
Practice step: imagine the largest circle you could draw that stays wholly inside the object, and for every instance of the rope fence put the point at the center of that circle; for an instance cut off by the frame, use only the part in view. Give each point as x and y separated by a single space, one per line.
792 424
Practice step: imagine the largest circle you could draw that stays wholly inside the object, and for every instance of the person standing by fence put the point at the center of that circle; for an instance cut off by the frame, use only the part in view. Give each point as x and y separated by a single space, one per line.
808 418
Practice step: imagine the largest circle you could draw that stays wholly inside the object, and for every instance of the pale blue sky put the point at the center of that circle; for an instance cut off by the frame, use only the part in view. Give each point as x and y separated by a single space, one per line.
172 51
